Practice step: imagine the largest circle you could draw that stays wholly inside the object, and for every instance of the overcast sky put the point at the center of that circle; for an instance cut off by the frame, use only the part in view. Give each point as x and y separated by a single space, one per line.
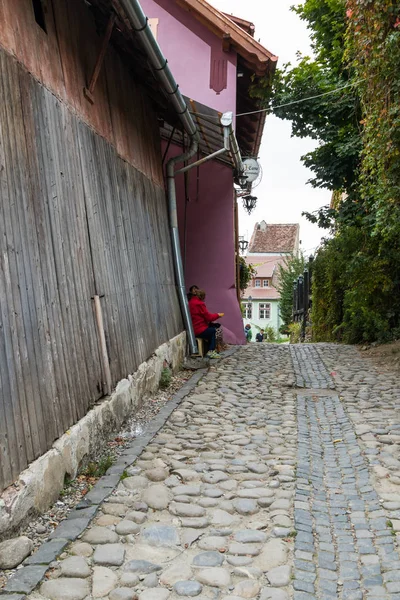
283 193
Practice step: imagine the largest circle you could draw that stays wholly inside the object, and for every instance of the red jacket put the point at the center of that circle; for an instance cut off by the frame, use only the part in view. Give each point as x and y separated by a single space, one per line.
201 318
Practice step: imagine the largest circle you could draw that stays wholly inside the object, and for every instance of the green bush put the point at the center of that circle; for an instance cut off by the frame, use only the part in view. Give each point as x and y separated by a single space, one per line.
246 273
165 379
269 334
356 289
294 332
98 469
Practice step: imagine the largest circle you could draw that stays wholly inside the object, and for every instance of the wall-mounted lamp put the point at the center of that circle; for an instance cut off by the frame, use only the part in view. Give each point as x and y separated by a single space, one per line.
249 203
243 245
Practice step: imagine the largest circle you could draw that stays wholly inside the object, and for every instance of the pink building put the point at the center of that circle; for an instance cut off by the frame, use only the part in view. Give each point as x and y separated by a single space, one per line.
213 57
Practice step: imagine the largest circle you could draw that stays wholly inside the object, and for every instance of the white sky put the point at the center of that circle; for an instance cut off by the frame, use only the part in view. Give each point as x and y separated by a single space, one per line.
283 193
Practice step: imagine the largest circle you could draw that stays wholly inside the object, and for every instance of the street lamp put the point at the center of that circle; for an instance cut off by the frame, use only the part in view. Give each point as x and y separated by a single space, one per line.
249 203
243 245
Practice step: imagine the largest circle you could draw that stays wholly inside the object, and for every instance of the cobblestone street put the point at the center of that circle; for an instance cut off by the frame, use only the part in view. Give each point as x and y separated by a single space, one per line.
277 477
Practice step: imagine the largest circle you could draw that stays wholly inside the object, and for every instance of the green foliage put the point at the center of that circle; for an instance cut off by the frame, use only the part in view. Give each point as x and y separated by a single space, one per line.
269 334
294 332
247 272
98 469
356 274
325 20
355 289
124 475
373 49
288 272
165 379
331 119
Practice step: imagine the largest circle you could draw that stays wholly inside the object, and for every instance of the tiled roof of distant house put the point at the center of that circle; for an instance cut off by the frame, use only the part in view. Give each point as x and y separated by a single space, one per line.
275 238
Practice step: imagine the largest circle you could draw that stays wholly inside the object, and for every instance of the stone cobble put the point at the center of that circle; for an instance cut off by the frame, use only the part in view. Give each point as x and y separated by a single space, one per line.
206 510
251 489
344 548
309 369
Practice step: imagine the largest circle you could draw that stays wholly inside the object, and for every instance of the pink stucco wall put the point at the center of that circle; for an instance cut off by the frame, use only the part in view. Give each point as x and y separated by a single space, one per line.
209 257
209 252
187 45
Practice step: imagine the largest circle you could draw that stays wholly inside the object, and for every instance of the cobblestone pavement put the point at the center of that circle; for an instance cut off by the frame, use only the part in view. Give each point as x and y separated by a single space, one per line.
277 478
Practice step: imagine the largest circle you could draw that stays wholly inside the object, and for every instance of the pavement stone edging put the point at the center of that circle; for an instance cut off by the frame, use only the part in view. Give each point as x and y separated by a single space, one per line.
34 567
39 485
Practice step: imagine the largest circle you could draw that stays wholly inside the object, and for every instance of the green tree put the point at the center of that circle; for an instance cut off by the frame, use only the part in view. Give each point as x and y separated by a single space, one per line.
246 273
356 273
331 119
288 272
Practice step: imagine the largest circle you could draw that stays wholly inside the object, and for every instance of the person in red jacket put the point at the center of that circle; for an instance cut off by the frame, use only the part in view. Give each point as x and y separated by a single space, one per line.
201 320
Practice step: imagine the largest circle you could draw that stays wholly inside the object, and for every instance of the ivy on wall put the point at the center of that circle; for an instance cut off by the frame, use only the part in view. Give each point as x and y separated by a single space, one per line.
373 52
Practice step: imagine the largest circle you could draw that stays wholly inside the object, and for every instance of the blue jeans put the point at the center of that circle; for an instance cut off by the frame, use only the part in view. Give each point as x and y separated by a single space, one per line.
208 335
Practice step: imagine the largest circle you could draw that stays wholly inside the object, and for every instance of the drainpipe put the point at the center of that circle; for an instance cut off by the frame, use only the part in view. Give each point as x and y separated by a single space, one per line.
159 64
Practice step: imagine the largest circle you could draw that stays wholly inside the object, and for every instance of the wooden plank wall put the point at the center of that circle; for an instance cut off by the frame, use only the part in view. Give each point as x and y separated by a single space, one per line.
75 220
63 60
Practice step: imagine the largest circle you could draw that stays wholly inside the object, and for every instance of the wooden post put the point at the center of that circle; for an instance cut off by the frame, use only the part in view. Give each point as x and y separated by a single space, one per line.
103 345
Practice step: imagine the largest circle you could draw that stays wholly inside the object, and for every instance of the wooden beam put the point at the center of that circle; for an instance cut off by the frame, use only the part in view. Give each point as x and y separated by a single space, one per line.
88 92
226 42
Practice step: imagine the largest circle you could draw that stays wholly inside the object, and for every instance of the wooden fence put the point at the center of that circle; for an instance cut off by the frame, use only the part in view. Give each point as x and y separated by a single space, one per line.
75 221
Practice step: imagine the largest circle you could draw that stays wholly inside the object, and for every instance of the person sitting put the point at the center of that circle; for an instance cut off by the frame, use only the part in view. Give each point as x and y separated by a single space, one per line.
202 319
192 291
220 345
248 333
260 336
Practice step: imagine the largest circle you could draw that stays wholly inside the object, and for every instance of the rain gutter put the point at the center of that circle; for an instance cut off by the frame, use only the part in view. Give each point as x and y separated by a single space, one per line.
159 65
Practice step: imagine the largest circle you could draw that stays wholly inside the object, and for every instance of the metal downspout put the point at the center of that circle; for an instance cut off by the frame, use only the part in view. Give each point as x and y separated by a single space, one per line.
159 64
176 248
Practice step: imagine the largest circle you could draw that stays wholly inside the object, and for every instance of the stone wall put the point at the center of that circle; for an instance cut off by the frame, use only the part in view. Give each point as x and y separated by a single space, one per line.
40 484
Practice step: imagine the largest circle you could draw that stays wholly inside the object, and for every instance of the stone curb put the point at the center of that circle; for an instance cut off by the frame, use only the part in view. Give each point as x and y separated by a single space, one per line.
34 568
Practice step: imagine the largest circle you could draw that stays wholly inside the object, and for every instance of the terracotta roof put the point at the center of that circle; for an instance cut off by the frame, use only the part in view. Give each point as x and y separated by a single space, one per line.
258 57
269 293
274 238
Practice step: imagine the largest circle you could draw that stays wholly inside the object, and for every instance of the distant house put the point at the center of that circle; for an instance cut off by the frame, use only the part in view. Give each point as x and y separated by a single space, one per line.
268 248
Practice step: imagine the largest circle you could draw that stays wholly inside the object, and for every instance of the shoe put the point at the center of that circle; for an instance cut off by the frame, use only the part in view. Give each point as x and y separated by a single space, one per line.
213 354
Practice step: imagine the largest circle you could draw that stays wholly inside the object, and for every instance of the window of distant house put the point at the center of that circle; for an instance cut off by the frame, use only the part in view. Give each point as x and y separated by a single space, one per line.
248 310
39 14
264 311
258 282
265 283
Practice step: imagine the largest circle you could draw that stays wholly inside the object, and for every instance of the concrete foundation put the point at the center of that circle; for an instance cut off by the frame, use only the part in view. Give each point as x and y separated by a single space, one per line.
40 484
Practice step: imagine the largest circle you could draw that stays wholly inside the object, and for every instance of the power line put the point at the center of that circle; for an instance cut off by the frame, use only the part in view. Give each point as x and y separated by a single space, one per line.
343 87
261 110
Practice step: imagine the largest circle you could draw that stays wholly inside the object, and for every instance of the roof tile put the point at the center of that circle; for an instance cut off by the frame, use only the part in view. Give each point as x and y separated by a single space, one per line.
274 238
